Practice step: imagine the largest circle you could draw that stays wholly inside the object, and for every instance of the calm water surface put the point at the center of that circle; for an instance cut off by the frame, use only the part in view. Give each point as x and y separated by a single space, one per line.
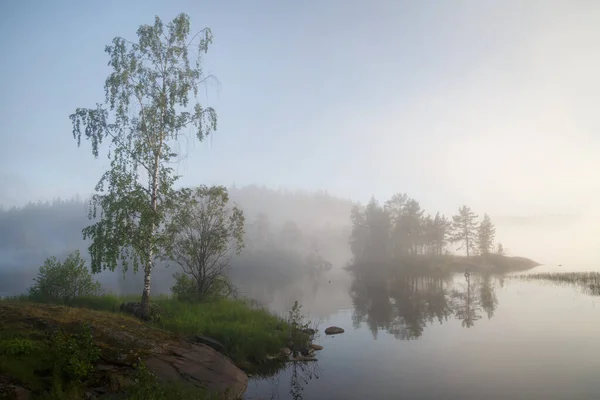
432 338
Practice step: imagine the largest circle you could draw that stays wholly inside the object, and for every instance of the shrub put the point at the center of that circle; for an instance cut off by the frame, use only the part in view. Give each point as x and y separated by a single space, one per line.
62 282
186 289
74 356
17 347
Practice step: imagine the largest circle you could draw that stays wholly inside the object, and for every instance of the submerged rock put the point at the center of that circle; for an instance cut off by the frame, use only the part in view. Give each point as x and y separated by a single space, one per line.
333 330
316 346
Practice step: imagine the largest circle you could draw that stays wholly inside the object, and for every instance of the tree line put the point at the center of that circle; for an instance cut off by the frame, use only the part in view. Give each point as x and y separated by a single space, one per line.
401 228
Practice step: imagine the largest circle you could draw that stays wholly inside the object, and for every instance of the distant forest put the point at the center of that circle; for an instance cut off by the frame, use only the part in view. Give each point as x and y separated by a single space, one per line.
288 233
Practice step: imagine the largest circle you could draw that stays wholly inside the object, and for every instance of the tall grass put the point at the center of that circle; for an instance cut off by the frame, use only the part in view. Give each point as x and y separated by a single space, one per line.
247 331
588 282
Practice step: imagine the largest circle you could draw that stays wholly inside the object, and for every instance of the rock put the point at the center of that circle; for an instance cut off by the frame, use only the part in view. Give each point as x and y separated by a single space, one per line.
333 330
90 396
304 358
210 342
286 352
11 391
316 346
200 366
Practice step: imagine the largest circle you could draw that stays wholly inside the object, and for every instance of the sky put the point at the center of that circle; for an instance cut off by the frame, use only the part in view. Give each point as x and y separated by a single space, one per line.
490 104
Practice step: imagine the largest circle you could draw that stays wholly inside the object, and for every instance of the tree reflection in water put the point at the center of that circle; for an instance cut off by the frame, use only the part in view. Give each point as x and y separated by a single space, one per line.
300 374
404 304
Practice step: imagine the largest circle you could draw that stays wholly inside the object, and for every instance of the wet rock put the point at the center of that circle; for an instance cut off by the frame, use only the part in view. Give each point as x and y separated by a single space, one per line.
333 330
304 358
285 352
316 346
210 342
200 366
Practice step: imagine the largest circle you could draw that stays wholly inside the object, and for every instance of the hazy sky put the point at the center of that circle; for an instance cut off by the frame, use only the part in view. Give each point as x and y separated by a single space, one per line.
493 104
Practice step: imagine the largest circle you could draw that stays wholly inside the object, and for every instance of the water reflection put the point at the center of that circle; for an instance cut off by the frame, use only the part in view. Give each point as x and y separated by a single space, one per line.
403 304
299 373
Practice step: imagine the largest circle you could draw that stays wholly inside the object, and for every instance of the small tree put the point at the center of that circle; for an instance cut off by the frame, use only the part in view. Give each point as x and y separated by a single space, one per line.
204 233
63 281
500 250
148 91
464 229
485 235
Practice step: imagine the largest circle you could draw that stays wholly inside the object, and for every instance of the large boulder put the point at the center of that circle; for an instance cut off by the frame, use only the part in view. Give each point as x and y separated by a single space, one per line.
200 366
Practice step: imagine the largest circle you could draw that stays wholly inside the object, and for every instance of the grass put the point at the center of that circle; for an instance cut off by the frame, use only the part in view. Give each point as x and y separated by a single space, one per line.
248 332
588 282
46 349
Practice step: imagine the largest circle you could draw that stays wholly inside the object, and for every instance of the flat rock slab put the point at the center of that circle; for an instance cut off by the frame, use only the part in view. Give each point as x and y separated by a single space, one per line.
201 366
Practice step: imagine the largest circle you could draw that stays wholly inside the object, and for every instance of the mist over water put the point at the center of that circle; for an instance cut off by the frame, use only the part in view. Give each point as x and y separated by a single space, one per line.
488 108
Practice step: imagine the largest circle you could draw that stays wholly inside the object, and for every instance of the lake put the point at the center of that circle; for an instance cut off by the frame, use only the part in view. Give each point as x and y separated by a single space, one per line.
416 338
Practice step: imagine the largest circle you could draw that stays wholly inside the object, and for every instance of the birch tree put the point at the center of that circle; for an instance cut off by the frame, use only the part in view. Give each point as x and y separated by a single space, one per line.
146 112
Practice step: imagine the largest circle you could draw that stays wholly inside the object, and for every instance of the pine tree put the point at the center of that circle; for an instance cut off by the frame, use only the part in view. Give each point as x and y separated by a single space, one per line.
464 229
485 235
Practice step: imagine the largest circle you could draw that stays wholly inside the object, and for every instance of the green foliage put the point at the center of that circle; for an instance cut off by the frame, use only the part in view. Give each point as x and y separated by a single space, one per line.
249 333
298 326
464 229
204 232
61 282
485 235
186 289
148 94
17 347
74 356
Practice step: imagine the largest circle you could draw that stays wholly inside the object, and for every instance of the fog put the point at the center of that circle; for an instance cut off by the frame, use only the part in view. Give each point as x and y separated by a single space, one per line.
272 258
489 105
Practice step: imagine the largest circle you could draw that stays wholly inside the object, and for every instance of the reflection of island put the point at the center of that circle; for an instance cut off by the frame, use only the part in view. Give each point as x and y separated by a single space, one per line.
404 304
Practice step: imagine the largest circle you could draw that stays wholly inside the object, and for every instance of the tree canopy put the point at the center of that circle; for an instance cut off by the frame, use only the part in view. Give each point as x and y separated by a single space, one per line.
401 228
147 110
204 233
